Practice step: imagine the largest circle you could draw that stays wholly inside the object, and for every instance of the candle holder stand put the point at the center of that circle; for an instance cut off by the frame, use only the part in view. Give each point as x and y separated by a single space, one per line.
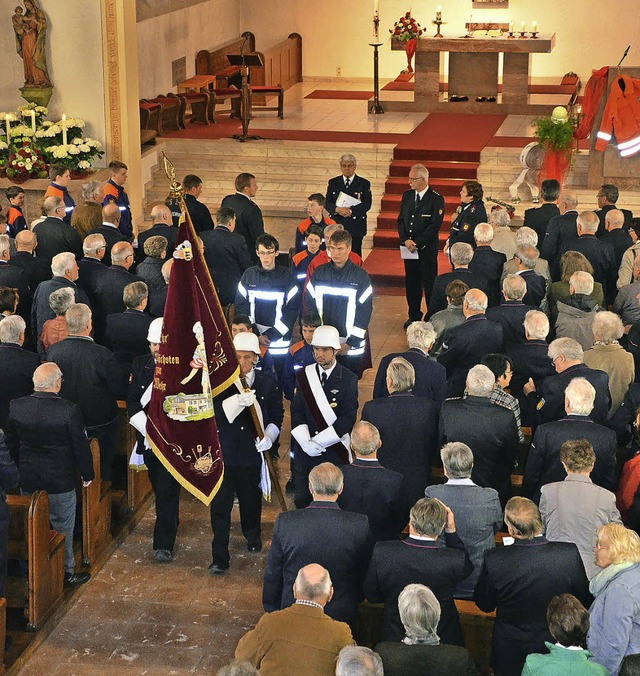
438 23
376 107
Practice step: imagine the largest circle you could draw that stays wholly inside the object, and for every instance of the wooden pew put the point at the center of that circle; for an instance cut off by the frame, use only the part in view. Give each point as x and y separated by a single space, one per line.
96 512
138 484
477 629
150 122
215 62
282 64
31 539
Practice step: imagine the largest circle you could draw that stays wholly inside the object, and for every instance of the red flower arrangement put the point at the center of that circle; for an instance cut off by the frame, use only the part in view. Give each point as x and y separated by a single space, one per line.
406 28
25 162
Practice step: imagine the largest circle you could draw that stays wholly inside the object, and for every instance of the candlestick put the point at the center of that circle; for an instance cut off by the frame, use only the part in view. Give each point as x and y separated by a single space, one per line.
33 121
8 124
510 26
64 130
534 26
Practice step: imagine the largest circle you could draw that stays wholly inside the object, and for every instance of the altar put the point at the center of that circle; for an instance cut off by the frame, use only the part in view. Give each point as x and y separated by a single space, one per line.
473 71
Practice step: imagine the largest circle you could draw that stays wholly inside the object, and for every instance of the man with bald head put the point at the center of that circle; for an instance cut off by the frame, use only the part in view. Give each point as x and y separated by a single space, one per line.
322 533
163 227
24 257
300 639
464 345
109 229
561 230
616 235
54 234
109 285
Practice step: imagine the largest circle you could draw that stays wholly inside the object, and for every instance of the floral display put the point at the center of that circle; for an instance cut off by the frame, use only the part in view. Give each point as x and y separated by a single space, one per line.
406 28
29 143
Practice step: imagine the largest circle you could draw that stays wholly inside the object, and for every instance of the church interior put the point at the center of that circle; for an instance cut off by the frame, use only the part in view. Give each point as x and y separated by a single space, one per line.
466 112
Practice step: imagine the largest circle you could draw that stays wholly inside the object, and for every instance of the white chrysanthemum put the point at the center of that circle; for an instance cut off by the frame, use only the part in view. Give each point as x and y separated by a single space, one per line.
84 148
73 150
3 145
83 164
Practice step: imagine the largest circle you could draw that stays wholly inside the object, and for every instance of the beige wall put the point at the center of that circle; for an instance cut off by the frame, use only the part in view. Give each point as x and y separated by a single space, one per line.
74 58
182 33
337 33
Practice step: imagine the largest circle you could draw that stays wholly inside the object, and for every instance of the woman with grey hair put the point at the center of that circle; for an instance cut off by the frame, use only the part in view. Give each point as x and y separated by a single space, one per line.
420 651
609 356
504 240
55 330
88 215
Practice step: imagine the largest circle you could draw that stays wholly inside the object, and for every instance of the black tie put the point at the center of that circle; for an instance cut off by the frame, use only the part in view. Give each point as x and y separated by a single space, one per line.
347 183
323 378
417 201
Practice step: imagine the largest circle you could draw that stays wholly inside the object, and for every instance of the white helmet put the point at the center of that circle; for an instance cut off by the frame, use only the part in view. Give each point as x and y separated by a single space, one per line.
247 342
326 336
155 330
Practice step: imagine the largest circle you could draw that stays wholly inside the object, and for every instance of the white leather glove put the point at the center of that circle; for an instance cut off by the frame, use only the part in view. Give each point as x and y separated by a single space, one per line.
312 448
263 444
247 398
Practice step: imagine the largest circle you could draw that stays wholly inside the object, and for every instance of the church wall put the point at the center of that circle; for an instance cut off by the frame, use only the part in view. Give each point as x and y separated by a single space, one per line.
168 37
335 33
74 59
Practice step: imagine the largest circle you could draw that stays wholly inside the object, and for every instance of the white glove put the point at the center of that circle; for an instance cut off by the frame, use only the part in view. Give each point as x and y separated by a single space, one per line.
247 398
312 448
263 444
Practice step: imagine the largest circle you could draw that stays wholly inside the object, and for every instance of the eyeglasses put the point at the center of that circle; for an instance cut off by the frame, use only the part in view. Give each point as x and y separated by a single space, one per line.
415 178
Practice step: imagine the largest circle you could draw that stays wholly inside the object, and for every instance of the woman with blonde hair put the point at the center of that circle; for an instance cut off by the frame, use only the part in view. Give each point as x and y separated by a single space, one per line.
615 614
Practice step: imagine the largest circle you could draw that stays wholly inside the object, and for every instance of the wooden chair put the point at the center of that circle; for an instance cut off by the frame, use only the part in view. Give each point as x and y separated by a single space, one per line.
31 539
265 90
96 512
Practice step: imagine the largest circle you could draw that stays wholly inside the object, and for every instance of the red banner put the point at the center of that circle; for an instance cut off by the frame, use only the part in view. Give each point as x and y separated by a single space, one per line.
196 362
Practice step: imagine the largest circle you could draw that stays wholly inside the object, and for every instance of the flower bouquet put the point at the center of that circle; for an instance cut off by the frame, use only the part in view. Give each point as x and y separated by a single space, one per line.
76 155
407 30
25 162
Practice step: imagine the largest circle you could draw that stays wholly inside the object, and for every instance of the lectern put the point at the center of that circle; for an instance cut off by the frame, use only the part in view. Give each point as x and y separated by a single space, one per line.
245 61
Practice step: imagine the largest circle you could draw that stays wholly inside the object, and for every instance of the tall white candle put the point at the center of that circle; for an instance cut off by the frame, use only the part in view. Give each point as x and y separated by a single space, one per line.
439 13
510 26
523 25
33 120
8 124
376 7
64 130
534 26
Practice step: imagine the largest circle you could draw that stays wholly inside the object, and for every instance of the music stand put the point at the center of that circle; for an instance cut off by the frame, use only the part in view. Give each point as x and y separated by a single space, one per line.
245 61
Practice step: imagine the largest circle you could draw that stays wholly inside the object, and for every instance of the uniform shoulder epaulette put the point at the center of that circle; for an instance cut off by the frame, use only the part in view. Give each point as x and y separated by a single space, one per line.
435 192
454 398
295 347
300 256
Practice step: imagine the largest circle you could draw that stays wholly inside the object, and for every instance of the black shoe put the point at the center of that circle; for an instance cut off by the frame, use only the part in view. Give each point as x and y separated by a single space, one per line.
75 579
291 485
163 555
254 547
218 569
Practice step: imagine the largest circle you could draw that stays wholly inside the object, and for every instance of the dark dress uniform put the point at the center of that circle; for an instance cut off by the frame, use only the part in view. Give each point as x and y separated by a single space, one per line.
227 258
242 463
111 236
249 222
538 218
488 263
510 315
16 375
356 224
126 335
199 214
464 224
420 221
602 214
54 237
107 296
40 308
561 231
431 377
438 299
165 488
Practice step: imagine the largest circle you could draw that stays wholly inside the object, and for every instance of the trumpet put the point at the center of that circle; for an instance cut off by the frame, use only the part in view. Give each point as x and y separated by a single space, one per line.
509 207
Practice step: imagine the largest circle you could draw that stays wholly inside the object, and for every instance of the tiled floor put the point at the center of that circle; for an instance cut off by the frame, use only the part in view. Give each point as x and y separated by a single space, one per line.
138 617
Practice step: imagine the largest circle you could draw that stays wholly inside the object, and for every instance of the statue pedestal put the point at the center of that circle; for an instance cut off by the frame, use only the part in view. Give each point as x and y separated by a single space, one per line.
38 95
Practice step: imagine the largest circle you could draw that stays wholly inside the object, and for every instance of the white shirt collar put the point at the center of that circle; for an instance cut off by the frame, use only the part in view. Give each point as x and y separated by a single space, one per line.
459 482
250 377
366 459
241 193
328 371
109 225
569 647
421 194
422 537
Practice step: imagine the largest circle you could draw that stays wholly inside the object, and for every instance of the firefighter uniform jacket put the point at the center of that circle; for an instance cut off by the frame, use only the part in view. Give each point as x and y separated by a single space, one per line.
302 228
55 190
343 297
465 222
116 193
15 221
272 300
622 117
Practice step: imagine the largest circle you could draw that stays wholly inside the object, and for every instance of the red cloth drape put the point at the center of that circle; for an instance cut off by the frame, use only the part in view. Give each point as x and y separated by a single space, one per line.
410 49
590 100
556 164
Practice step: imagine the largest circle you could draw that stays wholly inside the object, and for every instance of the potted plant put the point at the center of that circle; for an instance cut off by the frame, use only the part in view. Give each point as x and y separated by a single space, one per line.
556 135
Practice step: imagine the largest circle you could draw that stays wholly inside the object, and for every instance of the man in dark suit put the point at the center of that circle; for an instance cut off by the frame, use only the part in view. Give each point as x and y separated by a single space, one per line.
65 273
242 451
109 230
370 488
16 364
93 379
547 400
14 277
420 559
461 255
486 262
91 265
322 533
162 227
538 218
198 212
249 221
317 436
512 310
408 426
607 197
598 252
109 286
465 345
165 488
489 429
616 235
353 218
519 581
36 269
45 435
543 462
526 257
419 222
430 377
126 332
226 255
54 235
158 297
561 230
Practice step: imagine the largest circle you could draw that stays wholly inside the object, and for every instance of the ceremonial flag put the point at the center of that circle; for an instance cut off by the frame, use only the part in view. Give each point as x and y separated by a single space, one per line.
196 362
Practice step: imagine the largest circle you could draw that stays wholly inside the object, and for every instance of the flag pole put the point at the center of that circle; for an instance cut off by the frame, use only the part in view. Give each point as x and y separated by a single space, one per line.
176 191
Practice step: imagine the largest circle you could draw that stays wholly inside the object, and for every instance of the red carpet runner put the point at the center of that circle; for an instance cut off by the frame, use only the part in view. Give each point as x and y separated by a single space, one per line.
449 146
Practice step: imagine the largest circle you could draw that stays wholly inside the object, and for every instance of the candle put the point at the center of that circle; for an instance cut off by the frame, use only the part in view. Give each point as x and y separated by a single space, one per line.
376 6
523 25
6 120
439 13
33 120
64 130
534 26
510 26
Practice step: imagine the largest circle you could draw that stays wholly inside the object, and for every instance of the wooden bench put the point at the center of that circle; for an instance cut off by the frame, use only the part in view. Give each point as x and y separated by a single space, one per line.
215 62
477 629
31 539
150 122
170 111
198 102
138 484
263 90
96 512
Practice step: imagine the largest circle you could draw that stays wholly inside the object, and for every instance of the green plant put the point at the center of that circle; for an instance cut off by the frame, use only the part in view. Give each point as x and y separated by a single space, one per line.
554 135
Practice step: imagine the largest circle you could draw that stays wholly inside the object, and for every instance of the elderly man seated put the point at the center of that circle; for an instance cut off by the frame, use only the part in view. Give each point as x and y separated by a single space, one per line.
356 660
477 510
300 639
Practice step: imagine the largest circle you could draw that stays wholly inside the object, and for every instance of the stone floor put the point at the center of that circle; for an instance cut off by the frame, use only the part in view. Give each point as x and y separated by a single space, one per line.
138 617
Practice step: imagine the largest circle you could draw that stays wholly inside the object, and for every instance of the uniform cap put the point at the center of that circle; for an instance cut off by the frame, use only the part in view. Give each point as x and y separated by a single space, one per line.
246 342
155 330
326 336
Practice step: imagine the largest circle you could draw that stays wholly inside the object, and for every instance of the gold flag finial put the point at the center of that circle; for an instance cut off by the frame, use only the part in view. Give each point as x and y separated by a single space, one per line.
176 189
